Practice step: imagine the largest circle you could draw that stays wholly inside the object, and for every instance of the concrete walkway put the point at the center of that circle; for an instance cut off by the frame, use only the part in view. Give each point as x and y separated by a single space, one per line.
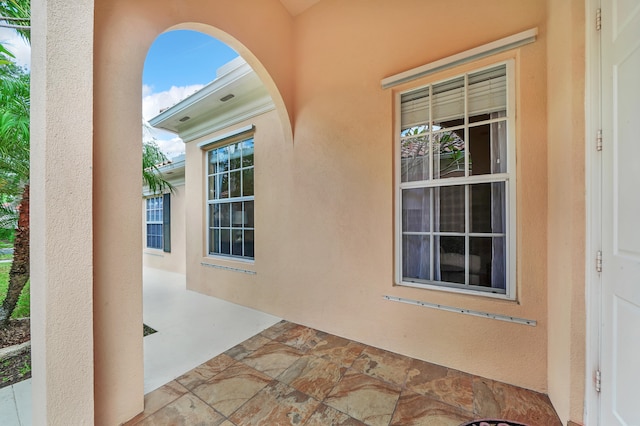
191 329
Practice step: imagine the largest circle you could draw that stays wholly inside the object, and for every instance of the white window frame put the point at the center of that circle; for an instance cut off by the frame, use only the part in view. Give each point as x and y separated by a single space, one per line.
510 197
238 136
154 222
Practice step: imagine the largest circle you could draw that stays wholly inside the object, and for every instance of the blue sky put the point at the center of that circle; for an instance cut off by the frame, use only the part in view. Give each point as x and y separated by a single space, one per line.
184 58
178 64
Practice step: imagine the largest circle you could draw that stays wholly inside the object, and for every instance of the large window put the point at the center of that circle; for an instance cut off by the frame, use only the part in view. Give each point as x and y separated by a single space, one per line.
230 199
158 212
456 195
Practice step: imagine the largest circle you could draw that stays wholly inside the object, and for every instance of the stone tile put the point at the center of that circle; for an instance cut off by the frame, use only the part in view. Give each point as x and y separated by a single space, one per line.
204 372
299 337
277 329
337 349
245 348
499 400
233 387
325 415
414 409
273 358
441 383
277 404
383 365
157 399
313 376
362 397
186 410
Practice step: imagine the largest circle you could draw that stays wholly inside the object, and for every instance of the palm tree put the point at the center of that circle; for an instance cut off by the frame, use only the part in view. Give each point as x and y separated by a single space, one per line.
14 175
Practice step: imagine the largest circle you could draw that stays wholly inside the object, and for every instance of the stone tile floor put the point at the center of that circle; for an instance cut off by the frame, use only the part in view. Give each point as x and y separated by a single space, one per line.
294 375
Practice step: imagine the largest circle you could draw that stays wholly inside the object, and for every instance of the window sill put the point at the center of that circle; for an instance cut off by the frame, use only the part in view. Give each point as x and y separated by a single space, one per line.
458 290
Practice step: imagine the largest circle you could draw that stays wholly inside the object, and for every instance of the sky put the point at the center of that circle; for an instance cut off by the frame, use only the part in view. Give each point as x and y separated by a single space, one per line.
178 64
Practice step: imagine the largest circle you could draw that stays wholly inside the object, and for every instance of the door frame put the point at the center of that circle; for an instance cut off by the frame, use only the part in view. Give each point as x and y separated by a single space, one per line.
593 198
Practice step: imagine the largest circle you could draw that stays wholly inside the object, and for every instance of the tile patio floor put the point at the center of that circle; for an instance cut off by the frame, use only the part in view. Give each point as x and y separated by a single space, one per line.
293 375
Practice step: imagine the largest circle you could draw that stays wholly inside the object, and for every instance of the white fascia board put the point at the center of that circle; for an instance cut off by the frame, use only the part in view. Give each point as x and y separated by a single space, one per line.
209 89
223 121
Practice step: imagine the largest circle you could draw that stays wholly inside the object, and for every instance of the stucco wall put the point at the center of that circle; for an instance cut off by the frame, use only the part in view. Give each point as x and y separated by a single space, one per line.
173 261
566 253
324 205
324 200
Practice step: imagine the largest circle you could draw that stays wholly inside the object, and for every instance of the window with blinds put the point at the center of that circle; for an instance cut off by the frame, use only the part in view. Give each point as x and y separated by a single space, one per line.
456 185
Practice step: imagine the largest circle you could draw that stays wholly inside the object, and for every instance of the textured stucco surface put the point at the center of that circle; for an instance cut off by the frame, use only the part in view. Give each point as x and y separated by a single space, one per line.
61 212
324 188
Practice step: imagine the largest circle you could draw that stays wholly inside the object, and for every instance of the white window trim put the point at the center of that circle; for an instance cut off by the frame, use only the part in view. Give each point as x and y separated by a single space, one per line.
153 222
510 202
241 134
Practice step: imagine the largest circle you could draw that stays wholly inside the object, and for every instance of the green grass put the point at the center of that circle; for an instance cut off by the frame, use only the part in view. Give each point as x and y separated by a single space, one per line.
23 307
6 244
6 256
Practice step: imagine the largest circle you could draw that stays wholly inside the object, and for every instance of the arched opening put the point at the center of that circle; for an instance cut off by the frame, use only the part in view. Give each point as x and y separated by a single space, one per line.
117 271
197 90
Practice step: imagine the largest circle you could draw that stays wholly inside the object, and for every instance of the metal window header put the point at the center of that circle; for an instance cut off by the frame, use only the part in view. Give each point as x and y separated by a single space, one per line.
507 43
232 134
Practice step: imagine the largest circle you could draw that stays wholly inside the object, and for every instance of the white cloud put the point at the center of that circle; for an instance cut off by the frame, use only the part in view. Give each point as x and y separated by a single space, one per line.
153 103
16 45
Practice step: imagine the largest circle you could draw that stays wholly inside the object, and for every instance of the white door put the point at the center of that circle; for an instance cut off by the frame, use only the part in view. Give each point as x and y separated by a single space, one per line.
620 344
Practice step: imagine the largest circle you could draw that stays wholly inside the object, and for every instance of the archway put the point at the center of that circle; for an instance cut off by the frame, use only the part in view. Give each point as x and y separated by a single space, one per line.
118 374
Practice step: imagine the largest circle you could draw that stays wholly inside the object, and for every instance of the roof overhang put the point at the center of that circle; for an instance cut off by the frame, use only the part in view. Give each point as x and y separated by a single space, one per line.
235 95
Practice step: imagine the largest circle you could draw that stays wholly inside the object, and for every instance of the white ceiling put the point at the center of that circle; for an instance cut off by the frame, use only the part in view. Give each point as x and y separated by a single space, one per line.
296 7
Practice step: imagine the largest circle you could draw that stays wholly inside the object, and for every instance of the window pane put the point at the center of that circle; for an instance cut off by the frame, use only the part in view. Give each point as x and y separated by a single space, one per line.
237 216
449 151
213 159
214 215
416 210
451 265
249 215
223 159
234 184
414 108
487 262
414 158
488 146
248 244
237 242
235 156
212 187
450 200
247 182
224 186
448 101
488 91
247 153
416 257
214 241
225 215
225 241
487 207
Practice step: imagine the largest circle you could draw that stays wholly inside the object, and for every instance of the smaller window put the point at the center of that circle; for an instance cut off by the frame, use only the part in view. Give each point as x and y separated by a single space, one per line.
230 200
154 222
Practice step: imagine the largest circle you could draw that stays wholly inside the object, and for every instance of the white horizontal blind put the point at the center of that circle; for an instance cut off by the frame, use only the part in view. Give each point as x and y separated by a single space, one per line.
487 93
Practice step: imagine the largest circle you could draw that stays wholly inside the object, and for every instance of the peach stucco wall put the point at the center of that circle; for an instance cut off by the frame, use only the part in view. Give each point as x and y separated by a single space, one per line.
324 205
324 188
173 261
566 211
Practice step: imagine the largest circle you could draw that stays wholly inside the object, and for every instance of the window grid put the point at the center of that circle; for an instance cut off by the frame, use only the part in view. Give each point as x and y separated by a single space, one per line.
409 136
154 222
230 200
